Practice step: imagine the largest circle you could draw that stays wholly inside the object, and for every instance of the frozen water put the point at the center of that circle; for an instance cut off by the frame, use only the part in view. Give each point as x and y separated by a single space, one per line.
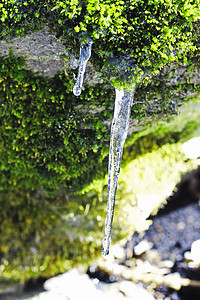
85 53
119 129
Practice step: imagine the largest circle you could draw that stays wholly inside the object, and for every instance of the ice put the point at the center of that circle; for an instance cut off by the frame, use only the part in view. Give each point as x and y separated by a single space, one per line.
85 53
119 129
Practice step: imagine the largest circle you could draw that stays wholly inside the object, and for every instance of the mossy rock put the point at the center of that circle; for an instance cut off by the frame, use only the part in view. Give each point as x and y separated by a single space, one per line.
54 145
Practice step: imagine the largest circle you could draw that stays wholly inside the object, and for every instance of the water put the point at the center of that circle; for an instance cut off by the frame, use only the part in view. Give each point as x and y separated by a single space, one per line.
119 129
85 53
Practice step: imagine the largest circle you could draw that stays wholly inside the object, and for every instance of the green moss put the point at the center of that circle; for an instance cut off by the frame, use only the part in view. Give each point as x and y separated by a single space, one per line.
44 234
53 144
52 139
46 230
182 128
45 137
150 33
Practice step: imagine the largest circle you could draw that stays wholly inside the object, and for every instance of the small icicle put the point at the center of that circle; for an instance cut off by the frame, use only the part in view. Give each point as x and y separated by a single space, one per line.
85 53
119 129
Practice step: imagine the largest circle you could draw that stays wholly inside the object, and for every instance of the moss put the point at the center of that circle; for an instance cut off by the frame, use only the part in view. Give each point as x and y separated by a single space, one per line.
42 235
54 144
45 138
150 33
45 231
52 139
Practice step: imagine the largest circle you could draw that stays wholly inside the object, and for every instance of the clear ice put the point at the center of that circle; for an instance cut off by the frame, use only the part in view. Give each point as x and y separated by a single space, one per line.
85 53
119 129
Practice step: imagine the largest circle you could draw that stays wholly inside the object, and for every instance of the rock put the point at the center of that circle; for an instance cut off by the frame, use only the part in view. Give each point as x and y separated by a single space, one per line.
194 255
41 50
73 285
124 290
134 291
142 247
46 55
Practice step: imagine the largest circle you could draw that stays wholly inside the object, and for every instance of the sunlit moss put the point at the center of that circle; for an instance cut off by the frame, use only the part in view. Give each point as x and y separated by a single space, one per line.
50 149
47 232
150 33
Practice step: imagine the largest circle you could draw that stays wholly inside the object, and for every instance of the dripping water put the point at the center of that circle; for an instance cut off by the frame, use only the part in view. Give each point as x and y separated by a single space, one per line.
119 129
85 53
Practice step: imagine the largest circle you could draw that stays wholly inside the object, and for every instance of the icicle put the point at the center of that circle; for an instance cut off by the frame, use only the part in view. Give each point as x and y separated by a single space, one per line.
119 129
85 53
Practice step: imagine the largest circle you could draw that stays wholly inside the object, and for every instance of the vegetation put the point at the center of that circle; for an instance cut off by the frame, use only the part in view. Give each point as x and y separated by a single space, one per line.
53 145
45 140
152 33
44 233
52 139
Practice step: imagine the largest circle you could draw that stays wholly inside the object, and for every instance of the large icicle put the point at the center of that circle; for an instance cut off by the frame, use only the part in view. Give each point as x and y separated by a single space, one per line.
85 53
119 129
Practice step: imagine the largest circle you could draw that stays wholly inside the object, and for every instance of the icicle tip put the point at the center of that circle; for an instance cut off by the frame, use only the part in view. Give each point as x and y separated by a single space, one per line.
105 252
76 91
106 246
